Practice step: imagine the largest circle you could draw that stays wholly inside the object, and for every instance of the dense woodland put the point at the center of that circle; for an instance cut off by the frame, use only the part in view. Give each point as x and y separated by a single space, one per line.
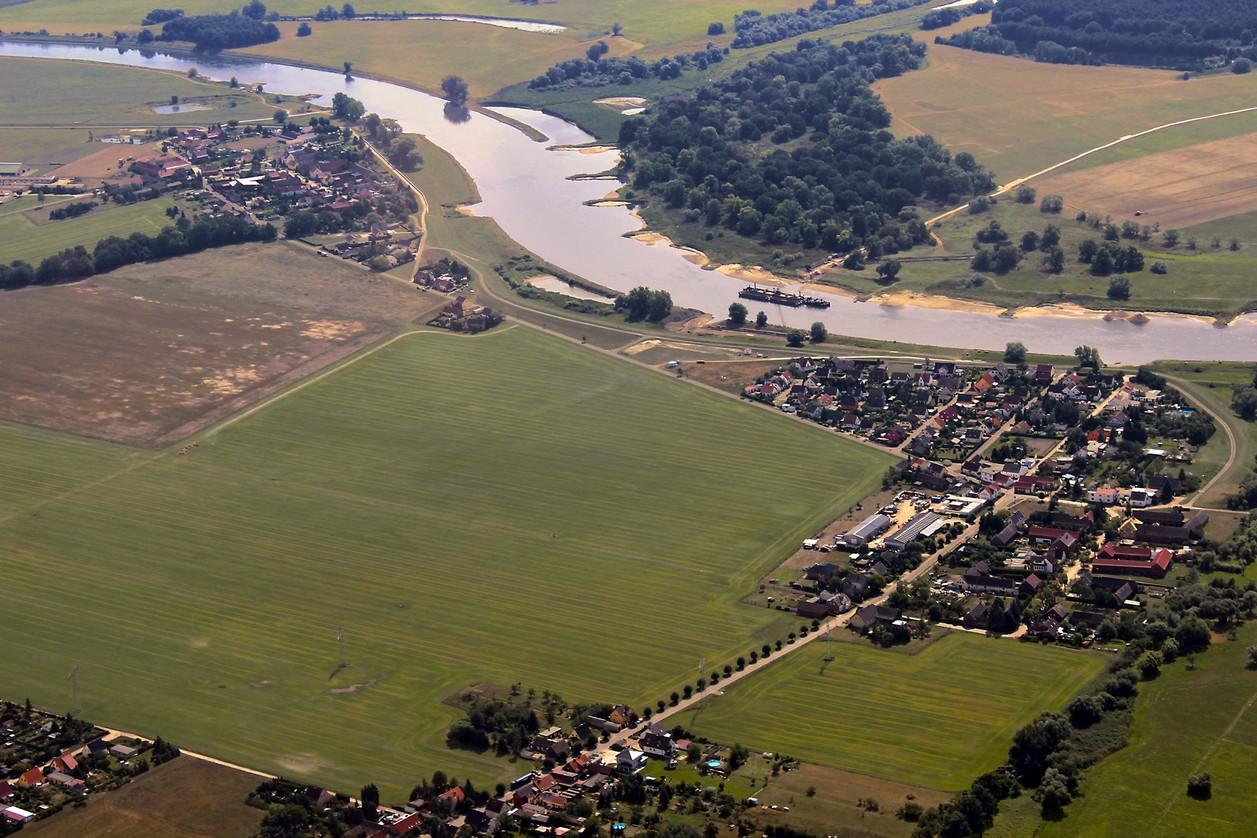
214 32
596 70
756 29
1159 33
794 148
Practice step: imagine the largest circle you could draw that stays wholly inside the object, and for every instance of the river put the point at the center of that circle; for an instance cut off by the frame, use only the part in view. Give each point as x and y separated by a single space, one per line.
525 187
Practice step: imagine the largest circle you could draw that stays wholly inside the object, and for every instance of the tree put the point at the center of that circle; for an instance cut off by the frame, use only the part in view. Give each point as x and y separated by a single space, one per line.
1241 65
888 271
348 12
347 108
597 50
1159 267
370 798
761 320
304 30
1024 195
818 332
1054 259
1170 237
1119 288
737 314
1244 401
716 28
1015 353
1200 786
616 29
280 116
1051 204
454 89
794 338
1088 357
255 9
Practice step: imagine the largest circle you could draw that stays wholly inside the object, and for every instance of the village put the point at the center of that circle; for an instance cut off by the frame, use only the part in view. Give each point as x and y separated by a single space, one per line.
1042 503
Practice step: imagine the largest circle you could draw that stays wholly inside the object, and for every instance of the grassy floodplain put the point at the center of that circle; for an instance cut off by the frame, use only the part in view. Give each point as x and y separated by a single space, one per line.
498 509
937 718
43 92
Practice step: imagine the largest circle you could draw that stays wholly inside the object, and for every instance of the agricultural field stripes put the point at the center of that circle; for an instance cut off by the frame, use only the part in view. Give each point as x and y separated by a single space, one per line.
509 508
936 718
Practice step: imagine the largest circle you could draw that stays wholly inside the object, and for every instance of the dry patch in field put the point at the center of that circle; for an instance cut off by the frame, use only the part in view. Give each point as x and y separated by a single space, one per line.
152 353
1174 188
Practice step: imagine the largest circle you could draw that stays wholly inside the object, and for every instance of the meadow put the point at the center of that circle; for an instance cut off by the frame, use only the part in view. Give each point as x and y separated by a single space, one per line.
1186 722
44 92
21 238
1018 116
1207 281
501 509
185 798
936 718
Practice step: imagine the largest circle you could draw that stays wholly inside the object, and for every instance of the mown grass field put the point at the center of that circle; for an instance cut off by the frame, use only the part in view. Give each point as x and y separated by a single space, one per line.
186 798
42 92
21 238
498 509
1018 116
1186 722
1207 281
937 718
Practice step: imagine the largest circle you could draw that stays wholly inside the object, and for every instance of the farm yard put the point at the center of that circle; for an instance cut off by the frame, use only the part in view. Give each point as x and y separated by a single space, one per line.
500 509
148 354
936 718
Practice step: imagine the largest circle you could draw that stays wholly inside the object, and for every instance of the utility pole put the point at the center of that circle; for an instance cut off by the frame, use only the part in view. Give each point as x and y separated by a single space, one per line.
340 642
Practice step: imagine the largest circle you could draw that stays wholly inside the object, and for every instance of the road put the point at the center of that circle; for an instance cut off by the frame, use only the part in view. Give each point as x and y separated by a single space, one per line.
1221 422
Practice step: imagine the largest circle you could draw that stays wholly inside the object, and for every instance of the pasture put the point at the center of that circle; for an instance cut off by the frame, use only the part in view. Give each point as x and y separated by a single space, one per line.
185 798
1018 116
150 353
1186 722
507 508
47 92
936 718
21 238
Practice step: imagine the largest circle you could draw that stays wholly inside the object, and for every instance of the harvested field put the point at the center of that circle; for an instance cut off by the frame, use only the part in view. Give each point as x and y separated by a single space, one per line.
184 798
1019 116
1176 188
148 354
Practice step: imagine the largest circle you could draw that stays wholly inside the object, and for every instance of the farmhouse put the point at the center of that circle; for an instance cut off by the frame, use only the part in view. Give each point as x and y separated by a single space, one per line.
824 604
1132 561
870 615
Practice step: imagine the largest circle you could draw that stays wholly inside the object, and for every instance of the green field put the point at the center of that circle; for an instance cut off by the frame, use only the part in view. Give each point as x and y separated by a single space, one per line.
937 718
20 238
43 92
500 509
1186 722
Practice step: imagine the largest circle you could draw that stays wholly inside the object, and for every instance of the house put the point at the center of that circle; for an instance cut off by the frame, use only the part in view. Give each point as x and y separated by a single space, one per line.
820 573
455 796
65 780
6 790
1121 589
1050 623
605 725
1034 485
870 615
630 761
621 714
13 814
825 604
123 751
409 822
657 742
976 581
979 617
855 585
1103 495
868 529
66 763
1005 536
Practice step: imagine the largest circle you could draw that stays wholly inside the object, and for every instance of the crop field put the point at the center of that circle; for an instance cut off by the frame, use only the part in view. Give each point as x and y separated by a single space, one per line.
21 238
43 148
1141 790
150 353
43 92
1175 189
936 718
502 509
1018 116
185 798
